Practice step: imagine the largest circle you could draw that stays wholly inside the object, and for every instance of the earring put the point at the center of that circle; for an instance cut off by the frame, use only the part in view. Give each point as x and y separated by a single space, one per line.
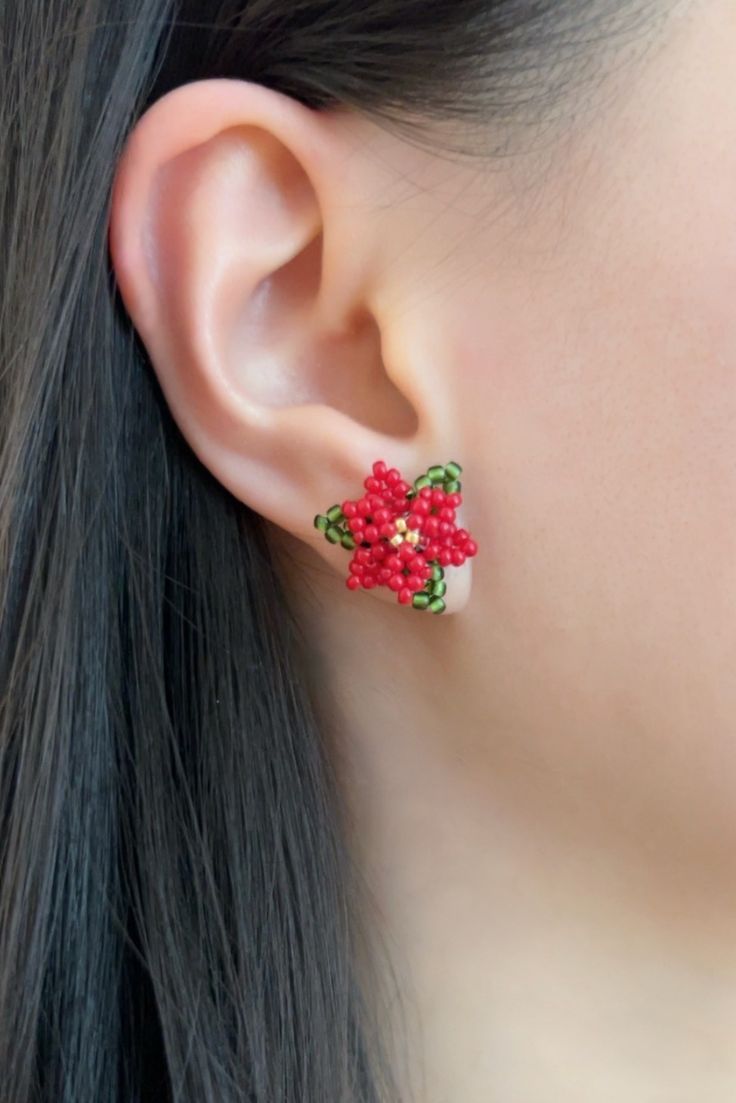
402 536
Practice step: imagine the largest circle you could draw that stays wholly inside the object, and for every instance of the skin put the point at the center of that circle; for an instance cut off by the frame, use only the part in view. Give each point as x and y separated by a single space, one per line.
538 784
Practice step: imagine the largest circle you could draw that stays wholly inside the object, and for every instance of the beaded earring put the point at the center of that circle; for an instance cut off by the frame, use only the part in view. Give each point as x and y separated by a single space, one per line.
402 536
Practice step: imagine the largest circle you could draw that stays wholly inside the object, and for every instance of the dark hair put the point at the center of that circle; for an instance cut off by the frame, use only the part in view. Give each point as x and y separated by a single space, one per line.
178 907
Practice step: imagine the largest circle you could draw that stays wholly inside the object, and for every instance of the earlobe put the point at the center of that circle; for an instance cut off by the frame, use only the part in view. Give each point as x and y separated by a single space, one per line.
217 229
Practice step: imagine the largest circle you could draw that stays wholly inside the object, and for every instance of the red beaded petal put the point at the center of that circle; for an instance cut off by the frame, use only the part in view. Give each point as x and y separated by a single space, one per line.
400 536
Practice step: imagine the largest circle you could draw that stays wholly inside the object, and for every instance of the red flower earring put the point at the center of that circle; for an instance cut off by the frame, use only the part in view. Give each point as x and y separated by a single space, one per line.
402 536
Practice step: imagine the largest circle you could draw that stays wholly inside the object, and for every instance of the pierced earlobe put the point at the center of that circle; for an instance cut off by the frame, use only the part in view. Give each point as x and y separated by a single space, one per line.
402 536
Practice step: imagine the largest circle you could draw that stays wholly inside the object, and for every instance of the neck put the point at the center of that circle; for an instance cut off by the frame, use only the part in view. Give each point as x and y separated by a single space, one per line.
556 896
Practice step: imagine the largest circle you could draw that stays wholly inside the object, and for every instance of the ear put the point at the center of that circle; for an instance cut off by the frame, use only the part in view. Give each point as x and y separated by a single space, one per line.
237 256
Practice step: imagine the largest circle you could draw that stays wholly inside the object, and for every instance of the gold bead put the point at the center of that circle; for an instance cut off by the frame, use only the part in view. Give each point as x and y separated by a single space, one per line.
396 540
400 524
412 537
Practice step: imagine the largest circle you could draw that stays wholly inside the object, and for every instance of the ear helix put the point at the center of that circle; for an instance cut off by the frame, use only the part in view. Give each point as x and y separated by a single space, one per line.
402 536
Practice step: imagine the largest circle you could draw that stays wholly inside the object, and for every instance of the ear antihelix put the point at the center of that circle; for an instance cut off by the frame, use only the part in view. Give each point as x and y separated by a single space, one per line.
402 535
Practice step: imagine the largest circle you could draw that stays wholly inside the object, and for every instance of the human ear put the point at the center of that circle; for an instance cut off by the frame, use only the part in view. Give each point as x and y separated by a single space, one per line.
237 254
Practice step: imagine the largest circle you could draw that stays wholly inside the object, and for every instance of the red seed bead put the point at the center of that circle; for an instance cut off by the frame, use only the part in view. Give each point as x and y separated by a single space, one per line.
401 488
470 548
438 497
363 507
356 525
431 552
356 568
384 575
418 563
414 521
426 493
421 506
349 509
414 582
393 476
394 562
406 551
379 551
461 536
426 573
369 582
431 526
352 582
363 555
454 500
372 484
376 501
371 534
379 469
381 516
447 514
388 530
445 557
405 595
457 556
396 582
446 529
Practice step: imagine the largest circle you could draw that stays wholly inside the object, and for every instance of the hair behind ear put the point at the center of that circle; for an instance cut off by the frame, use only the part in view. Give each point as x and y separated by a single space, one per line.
173 888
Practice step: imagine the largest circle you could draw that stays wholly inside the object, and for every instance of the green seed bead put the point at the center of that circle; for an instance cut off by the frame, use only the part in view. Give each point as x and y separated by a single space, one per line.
421 482
452 486
453 470
437 605
420 601
439 589
334 534
438 573
348 540
321 523
334 514
436 474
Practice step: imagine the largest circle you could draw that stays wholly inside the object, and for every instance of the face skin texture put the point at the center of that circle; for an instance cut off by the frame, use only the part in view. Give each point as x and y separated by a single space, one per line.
540 784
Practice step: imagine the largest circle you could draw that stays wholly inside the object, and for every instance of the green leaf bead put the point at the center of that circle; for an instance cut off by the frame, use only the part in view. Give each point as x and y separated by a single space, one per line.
334 514
437 605
334 534
321 523
348 540
452 486
453 470
420 600
438 573
439 589
421 482
436 473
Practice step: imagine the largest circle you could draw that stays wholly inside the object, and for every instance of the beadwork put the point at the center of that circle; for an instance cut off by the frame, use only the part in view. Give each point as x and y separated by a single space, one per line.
402 536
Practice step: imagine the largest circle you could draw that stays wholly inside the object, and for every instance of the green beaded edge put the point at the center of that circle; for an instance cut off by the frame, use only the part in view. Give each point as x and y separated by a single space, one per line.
433 592
446 476
332 525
